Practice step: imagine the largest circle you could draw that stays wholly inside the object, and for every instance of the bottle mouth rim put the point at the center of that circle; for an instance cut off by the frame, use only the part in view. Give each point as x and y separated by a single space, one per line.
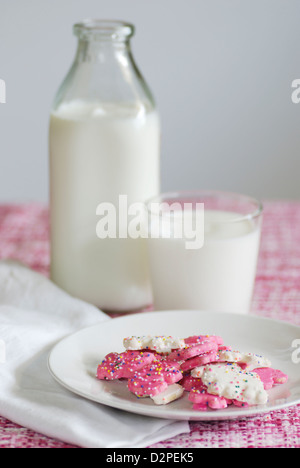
100 28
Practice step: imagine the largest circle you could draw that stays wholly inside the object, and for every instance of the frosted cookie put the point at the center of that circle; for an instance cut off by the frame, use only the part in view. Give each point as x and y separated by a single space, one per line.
224 348
197 361
189 352
160 344
203 400
188 383
147 388
162 369
279 377
148 380
225 355
121 365
254 361
172 393
248 361
170 362
240 403
231 382
200 338
270 377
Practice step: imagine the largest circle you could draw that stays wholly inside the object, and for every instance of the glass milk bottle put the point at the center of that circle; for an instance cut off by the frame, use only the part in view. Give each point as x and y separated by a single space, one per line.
104 142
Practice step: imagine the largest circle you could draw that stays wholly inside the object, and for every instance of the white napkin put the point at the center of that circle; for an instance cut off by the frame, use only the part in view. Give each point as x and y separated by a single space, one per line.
34 315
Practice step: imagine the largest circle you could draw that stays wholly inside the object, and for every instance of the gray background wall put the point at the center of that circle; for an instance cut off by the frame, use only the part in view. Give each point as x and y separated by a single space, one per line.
221 72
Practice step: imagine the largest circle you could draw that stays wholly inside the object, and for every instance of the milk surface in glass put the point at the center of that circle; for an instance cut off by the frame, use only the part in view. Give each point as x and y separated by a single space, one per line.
97 152
219 276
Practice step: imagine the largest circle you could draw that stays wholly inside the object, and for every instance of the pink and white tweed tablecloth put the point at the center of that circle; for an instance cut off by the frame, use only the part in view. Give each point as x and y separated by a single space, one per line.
24 236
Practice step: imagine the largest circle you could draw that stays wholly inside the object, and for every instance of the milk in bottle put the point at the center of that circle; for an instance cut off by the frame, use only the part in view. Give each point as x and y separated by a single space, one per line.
104 141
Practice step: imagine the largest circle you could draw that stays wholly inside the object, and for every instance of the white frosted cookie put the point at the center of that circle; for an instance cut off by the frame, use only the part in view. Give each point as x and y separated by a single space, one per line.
172 393
228 380
160 344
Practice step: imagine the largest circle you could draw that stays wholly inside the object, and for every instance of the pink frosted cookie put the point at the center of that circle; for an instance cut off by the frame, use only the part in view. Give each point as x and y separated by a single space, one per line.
121 365
200 338
188 383
157 356
270 377
171 374
198 361
192 351
279 377
154 378
240 403
170 362
203 400
224 348
145 388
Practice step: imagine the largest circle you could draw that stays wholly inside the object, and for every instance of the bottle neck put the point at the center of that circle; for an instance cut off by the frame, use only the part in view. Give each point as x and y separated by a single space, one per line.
100 40
104 51
104 69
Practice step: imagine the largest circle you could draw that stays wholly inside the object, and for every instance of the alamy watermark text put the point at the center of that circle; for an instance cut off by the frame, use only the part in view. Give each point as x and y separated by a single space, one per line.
160 220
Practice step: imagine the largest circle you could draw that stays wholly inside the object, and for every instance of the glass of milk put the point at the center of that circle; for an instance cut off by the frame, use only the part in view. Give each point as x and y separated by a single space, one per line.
104 142
203 248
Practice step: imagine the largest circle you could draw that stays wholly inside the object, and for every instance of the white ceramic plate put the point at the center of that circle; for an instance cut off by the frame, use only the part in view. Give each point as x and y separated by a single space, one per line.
73 362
